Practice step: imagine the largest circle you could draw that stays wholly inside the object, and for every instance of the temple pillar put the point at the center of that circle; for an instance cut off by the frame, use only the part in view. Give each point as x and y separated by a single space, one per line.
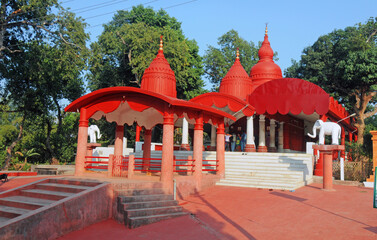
250 145
118 151
185 143
167 151
286 138
213 138
262 134
272 145
82 141
138 130
147 148
198 150
350 137
118 145
220 149
281 137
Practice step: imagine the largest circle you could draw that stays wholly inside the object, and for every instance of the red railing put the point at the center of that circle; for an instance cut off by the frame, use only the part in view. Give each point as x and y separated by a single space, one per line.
210 167
96 165
148 164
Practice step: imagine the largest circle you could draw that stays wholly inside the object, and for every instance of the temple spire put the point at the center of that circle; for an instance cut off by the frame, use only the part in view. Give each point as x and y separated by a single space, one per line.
238 53
266 31
161 44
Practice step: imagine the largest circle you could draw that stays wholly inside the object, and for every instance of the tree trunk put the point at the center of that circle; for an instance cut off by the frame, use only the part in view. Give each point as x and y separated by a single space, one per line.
8 157
48 145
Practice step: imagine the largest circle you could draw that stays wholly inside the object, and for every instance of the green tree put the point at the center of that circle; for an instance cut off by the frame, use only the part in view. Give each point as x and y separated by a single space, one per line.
130 42
344 63
218 61
42 60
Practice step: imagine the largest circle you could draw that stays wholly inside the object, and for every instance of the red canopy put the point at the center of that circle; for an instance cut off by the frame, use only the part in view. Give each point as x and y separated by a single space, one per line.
292 95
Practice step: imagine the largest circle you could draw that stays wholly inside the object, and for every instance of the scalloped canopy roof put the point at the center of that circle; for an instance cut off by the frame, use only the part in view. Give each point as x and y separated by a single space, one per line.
289 95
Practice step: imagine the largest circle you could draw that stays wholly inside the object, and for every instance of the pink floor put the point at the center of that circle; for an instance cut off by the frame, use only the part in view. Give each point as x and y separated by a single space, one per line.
249 213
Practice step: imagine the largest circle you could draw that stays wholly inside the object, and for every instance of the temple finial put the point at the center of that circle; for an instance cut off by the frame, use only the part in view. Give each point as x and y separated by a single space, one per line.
161 43
238 53
266 32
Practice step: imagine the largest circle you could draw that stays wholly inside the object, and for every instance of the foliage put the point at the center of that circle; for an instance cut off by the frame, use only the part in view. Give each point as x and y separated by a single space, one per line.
43 55
218 61
130 42
344 63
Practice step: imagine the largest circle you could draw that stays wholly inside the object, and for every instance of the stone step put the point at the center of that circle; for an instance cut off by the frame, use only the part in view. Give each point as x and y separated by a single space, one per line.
149 204
152 211
11 212
138 192
135 222
265 165
261 183
79 182
4 219
24 202
282 186
259 179
45 194
61 187
264 171
146 198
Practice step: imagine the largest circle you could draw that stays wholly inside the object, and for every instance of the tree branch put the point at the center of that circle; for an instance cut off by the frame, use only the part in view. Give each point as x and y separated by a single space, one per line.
369 114
371 35
34 25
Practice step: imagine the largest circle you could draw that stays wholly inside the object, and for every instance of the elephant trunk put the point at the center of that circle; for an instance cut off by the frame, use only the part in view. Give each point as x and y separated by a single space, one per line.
314 135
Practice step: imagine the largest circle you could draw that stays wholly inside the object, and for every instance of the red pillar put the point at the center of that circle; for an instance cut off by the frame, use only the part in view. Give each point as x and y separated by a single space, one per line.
118 151
138 130
327 170
167 151
147 148
350 137
198 150
220 150
118 145
82 141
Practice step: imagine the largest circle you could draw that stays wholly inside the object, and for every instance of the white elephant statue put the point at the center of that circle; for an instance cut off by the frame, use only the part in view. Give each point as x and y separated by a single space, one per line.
326 128
92 133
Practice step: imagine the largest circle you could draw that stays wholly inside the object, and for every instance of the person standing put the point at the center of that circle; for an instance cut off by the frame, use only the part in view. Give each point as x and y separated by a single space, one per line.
233 141
227 141
243 141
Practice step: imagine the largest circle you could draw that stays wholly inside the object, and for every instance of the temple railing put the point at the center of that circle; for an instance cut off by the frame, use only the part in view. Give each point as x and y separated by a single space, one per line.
96 163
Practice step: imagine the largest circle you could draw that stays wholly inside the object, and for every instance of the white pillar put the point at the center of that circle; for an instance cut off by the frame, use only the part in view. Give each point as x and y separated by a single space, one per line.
250 144
281 137
272 135
213 138
250 130
185 143
262 134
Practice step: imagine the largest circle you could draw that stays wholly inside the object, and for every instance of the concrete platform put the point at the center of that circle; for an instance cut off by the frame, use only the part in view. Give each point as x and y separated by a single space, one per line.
248 213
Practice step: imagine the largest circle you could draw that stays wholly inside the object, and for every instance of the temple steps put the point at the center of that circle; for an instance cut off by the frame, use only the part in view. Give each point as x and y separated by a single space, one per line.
285 171
47 208
144 206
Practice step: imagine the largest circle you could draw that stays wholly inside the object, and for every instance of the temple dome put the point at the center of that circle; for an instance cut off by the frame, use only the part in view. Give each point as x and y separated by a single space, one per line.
236 82
159 77
266 69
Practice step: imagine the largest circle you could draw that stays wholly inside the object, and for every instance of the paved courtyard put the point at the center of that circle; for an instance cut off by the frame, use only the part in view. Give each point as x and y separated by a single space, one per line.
249 213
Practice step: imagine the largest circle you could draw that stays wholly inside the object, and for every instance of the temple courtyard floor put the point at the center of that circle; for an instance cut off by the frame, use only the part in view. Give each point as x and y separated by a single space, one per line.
249 213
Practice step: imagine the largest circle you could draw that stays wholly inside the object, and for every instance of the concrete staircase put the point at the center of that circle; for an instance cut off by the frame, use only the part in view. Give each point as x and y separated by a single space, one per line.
144 206
286 171
49 208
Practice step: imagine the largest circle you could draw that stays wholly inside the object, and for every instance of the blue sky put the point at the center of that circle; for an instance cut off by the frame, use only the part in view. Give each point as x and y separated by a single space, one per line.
293 24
